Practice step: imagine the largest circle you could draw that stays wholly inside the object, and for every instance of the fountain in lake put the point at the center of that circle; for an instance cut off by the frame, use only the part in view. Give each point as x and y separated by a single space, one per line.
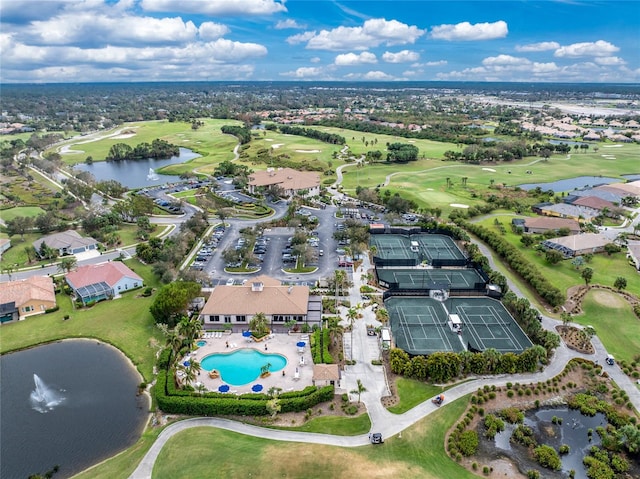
152 175
43 398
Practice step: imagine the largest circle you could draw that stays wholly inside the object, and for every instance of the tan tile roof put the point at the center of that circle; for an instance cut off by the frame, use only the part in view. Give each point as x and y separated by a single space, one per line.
593 202
326 372
273 299
286 178
582 241
552 223
110 273
34 288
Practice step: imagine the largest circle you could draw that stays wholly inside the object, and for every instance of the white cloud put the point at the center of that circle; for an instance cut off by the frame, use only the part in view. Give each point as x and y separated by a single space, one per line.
377 75
538 47
346 59
287 24
92 28
505 60
304 72
610 61
216 7
403 56
211 31
600 48
465 31
300 38
372 33
436 63
315 60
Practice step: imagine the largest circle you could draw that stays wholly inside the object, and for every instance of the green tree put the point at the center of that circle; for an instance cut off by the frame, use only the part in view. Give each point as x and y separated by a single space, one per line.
587 275
259 324
553 256
19 226
359 390
172 300
620 283
67 264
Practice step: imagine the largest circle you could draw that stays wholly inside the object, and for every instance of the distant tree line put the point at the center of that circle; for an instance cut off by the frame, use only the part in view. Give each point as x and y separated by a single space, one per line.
504 151
445 132
312 133
158 149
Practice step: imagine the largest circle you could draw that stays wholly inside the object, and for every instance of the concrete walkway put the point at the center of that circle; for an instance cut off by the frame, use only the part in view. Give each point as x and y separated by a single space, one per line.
363 349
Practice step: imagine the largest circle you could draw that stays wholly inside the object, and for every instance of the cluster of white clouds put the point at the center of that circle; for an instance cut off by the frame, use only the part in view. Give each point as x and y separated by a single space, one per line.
88 40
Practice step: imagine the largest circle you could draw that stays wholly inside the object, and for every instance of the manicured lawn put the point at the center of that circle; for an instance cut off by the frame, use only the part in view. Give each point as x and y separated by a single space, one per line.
200 452
28 211
336 425
615 324
412 393
207 141
16 255
126 323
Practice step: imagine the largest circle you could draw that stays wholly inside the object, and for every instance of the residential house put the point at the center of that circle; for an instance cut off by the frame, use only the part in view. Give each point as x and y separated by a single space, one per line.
233 307
542 224
292 182
576 245
561 210
66 243
26 297
633 253
596 204
96 282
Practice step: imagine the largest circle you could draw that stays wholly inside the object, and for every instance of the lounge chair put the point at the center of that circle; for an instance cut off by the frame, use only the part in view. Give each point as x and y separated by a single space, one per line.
296 375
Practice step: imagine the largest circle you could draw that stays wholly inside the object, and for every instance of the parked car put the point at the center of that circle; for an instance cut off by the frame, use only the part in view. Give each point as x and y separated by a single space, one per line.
230 282
376 438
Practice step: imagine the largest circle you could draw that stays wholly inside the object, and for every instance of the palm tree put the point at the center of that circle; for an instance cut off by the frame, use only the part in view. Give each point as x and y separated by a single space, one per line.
189 328
360 389
492 359
67 264
259 324
352 314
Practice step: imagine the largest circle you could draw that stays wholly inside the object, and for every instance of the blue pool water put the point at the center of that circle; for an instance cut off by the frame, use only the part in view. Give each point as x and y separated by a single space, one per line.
242 366
201 343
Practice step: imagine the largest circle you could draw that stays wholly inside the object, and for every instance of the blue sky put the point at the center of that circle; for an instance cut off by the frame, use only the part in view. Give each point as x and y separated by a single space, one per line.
319 40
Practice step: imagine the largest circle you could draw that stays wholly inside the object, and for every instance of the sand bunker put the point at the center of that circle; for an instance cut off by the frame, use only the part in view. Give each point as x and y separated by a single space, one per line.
429 189
412 141
66 150
277 145
268 139
307 151
458 205
489 169
612 146
124 137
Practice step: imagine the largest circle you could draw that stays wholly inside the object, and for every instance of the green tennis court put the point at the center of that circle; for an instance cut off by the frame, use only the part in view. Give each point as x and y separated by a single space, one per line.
427 278
415 249
392 246
438 247
420 325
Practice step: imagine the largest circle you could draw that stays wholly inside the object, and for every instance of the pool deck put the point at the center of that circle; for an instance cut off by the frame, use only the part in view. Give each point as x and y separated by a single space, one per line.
284 344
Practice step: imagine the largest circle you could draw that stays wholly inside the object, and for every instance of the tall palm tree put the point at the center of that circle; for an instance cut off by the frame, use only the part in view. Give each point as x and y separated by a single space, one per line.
359 390
259 324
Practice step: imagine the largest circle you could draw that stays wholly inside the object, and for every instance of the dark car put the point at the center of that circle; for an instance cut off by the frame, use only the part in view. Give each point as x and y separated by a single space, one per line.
376 438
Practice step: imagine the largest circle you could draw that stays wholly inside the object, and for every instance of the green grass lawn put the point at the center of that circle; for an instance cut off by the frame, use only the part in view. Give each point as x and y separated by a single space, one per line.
198 452
336 425
16 255
28 211
208 141
564 275
614 321
413 392
126 323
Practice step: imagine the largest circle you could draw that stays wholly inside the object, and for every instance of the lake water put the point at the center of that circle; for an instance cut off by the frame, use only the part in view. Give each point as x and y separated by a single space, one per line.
83 410
571 184
133 174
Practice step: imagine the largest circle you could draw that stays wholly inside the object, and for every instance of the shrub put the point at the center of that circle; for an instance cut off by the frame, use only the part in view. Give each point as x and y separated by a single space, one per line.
523 435
564 449
493 425
533 474
512 415
547 457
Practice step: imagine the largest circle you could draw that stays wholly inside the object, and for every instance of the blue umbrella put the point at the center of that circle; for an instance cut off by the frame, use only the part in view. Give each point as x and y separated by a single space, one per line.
186 363
246 334
223 388
301 344
256 388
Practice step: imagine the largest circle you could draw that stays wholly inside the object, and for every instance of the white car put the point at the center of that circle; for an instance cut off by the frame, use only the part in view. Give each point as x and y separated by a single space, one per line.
230 282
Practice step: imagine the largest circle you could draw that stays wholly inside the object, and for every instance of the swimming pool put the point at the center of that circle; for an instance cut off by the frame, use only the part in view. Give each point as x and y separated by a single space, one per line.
201 343
242 366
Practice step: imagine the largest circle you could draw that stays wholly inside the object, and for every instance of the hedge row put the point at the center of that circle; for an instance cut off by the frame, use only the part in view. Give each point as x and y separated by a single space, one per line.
320 342
517 262
172 400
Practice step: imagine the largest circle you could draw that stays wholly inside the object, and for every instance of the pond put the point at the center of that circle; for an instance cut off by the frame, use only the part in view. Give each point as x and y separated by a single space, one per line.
571 184
573 431
71 404
136 174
